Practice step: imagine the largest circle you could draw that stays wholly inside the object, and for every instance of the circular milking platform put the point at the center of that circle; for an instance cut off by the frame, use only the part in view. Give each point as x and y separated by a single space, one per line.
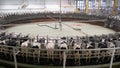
69 28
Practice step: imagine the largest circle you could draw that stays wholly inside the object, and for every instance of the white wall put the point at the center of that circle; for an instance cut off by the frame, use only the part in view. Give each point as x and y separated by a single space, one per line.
15 4
48 5
10 2
54 5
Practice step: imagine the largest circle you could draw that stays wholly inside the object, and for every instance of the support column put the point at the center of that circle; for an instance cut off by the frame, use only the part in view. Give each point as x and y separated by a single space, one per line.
60 20
64 59
76 4
99 5
115 6
76 7
47 39
87 6
112 57
15 59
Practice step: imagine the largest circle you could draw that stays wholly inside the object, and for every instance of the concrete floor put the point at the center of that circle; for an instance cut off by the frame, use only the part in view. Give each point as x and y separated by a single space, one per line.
70 28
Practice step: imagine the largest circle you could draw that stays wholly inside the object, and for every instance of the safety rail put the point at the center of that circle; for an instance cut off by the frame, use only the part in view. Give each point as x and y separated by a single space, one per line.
107 21
84 53
12 17
71 54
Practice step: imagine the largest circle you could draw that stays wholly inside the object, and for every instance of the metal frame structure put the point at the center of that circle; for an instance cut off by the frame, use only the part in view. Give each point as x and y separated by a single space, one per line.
66 53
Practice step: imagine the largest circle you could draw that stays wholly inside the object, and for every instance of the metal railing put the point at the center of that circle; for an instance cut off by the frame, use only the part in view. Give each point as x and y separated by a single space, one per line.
61 54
